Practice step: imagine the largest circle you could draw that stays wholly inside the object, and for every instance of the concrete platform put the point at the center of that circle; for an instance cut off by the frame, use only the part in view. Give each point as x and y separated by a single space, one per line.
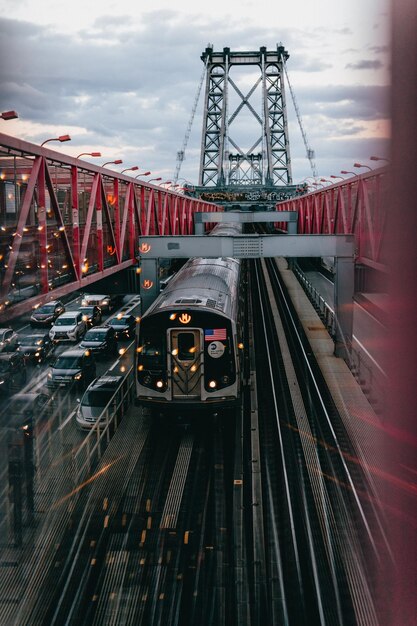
364 426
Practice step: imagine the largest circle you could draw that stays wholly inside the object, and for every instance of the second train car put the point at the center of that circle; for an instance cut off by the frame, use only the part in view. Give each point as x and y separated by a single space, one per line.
189 350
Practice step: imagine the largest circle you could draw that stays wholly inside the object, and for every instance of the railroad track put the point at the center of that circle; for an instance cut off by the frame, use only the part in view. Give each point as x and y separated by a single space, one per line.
321 529
258 516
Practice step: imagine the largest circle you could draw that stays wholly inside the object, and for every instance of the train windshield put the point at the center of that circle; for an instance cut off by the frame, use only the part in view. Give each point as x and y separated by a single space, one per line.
186 347
152 350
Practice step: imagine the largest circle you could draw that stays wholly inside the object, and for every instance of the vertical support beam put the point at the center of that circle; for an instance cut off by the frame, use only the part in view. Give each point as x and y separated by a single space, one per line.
75 221
343 300
99 222
132 230
292 223
42 227
116 209
149 282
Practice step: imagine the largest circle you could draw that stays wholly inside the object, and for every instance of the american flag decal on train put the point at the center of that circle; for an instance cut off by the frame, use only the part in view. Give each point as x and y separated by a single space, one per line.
215 334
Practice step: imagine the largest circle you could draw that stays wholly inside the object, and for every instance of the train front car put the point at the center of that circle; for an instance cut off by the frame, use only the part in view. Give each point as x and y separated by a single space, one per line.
188 354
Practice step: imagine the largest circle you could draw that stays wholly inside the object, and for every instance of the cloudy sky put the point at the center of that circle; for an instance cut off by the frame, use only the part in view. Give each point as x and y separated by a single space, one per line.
121 77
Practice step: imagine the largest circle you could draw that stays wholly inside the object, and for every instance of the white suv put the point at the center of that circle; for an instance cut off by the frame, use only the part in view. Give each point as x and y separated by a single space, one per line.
69 326
104 301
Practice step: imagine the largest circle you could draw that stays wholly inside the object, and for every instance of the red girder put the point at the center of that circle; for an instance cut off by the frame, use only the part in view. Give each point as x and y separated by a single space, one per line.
354 206
72 223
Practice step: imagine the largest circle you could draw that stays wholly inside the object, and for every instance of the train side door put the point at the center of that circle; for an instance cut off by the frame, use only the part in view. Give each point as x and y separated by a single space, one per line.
186 362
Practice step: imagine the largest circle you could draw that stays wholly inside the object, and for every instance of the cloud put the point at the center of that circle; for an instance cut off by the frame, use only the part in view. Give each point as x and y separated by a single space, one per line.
365 64
130 83
379 49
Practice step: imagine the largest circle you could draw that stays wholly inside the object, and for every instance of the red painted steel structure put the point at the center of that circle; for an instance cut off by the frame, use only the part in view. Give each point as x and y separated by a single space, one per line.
353 206
65 223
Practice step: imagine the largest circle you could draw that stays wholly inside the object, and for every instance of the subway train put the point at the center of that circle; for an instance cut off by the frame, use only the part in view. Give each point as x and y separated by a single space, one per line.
190 346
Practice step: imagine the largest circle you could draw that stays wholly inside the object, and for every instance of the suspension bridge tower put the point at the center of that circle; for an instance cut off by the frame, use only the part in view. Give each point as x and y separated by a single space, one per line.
245 151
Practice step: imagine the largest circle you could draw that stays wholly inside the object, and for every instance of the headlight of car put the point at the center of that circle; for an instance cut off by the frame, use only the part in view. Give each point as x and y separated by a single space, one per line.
49 375
78 376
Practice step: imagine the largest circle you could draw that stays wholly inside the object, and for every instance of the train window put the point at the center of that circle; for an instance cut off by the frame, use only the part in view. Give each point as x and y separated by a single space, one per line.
186 344
152 351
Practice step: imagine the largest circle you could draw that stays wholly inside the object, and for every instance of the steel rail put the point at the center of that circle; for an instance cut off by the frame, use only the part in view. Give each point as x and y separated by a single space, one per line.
288 496
313 465
327 416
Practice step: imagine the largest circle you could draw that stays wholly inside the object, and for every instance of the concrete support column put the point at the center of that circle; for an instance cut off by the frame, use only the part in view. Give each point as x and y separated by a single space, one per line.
292 223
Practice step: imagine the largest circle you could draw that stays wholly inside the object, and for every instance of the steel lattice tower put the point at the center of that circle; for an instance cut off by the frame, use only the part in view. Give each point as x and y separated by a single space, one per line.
267 162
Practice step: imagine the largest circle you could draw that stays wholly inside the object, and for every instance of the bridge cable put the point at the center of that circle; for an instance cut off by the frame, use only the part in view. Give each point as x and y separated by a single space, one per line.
181 153
309 150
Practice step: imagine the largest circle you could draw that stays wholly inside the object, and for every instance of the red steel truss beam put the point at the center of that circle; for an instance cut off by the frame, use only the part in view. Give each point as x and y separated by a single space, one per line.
74 215
353 206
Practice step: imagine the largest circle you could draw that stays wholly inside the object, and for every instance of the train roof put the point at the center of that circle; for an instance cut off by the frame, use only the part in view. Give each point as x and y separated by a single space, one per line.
202 283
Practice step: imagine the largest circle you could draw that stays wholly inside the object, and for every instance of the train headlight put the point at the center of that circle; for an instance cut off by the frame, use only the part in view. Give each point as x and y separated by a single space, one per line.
225 380
159 384
147 379
212 384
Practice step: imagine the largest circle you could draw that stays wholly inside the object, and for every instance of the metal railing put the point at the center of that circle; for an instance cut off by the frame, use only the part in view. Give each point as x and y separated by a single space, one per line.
325 313
371 380
91 450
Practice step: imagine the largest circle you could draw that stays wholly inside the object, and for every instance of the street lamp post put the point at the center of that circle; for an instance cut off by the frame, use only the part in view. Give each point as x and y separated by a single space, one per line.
345 172
333 176
143 174
361 165
117 162
130 169
8 115
166 182
92 154
377 158
152 179
61 138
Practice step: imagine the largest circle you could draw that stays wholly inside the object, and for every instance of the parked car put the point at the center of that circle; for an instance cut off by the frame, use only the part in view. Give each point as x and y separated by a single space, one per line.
124 326
36 348
100 340
106 302
69 326
91 315
73 367
12 372
8 340
47 313
107 391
